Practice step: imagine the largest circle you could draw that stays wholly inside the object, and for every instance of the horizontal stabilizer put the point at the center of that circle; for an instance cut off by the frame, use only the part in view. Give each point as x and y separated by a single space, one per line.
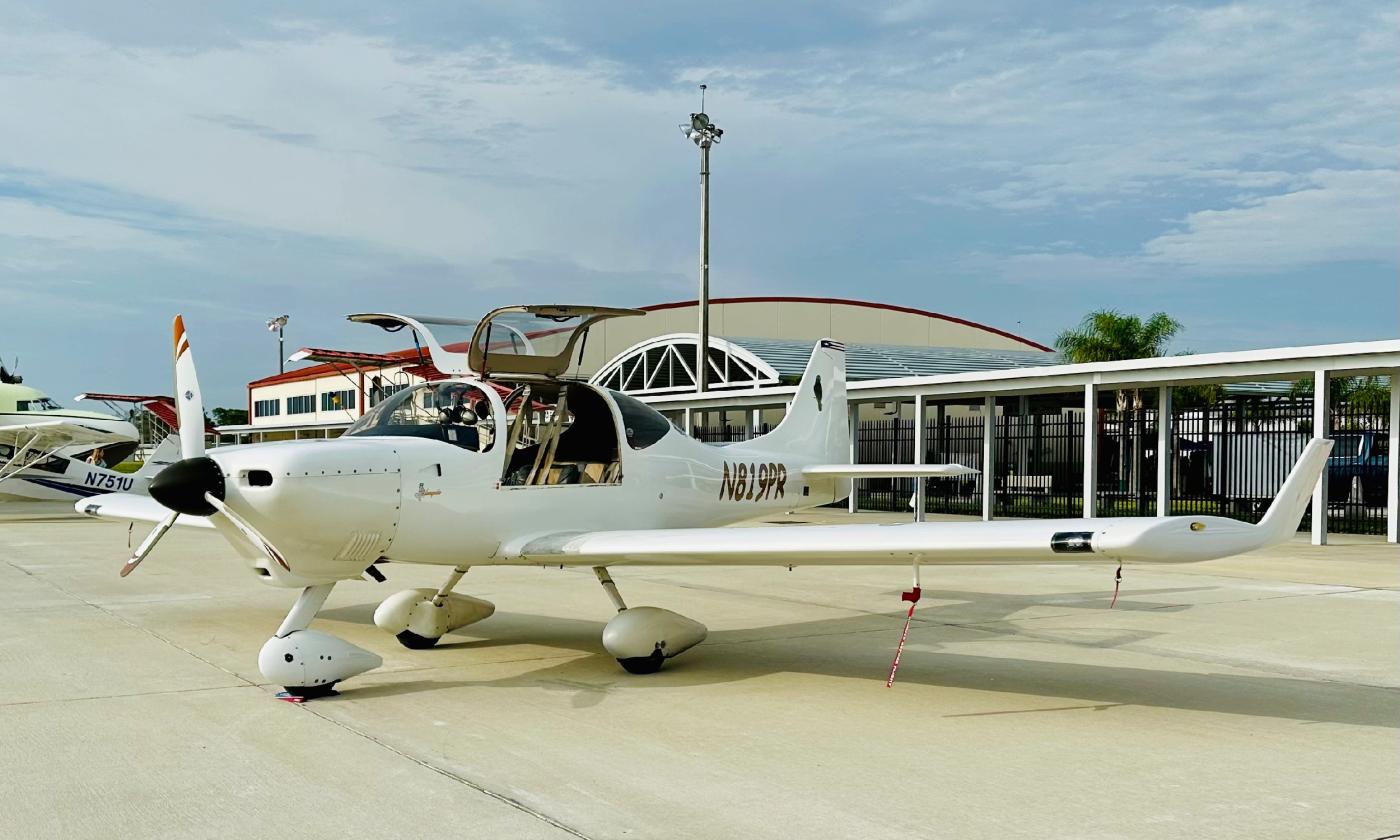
887 471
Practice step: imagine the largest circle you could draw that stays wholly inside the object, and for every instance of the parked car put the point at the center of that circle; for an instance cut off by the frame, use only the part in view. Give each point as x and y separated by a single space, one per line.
1361 455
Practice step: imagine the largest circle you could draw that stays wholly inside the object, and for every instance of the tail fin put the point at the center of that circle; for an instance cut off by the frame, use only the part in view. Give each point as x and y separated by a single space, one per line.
815 426
1284 514
166 453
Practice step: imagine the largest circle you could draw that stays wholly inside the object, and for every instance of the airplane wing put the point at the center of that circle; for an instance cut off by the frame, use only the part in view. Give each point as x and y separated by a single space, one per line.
52 435
131 507
1112 539
886 470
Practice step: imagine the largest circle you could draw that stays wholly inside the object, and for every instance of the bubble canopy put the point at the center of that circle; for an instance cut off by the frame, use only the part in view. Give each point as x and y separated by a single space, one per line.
513 340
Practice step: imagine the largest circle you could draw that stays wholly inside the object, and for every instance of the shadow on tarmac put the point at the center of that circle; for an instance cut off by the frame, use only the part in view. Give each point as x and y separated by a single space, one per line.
860 648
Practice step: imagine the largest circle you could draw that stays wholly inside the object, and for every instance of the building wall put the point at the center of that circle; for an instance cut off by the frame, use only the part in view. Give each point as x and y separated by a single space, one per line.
315 387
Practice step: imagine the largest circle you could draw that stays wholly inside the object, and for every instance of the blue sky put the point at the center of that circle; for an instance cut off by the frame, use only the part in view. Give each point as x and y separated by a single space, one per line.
1234 165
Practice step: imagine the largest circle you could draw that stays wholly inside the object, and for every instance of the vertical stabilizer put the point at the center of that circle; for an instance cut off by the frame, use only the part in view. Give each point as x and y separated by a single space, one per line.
815 427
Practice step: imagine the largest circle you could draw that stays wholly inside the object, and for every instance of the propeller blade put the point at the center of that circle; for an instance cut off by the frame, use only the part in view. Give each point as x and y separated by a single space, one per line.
149 543
258 540
189 402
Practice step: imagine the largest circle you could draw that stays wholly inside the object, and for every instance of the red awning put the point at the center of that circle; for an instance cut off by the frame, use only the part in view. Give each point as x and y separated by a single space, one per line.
162 407
352 357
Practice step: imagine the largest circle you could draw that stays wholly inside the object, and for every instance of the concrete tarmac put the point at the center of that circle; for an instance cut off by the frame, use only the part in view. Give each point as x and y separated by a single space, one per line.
1256 696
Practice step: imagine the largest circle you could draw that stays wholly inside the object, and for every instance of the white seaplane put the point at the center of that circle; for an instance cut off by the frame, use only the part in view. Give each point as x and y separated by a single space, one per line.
558 472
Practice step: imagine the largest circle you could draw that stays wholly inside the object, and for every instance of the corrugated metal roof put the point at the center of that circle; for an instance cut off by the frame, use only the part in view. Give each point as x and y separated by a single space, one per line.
882 361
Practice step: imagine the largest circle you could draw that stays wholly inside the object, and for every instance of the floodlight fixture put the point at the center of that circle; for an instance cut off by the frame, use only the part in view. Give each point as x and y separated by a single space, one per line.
279 326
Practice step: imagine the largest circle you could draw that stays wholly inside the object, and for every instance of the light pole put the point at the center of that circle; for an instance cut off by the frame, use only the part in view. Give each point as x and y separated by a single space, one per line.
278 325
704 134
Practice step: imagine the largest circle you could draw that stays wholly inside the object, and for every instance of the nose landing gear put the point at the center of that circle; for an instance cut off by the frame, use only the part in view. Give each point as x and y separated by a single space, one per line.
309 663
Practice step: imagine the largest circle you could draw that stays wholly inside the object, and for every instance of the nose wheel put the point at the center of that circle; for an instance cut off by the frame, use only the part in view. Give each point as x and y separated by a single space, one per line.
413 641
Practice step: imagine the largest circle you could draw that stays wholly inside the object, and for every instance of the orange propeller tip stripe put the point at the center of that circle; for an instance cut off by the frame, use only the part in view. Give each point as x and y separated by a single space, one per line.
181 342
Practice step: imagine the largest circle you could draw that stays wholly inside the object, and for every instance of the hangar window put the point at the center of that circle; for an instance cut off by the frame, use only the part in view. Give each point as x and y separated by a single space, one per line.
667 365
301 405
338 400
267 408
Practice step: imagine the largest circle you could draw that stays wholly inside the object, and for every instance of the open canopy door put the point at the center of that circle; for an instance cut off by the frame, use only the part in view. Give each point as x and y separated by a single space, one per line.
445 339
511 341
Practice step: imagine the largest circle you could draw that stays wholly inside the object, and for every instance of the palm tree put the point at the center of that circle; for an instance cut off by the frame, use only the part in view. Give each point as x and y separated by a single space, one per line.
1107 335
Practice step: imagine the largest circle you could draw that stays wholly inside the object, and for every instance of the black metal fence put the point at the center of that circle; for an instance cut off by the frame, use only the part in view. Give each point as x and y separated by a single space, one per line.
1227 459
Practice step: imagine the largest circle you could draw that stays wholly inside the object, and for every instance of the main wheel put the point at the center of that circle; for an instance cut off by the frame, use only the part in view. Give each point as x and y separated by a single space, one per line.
643 664
413 641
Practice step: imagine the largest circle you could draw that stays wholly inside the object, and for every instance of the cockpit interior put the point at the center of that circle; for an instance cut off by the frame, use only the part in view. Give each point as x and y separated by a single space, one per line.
554 431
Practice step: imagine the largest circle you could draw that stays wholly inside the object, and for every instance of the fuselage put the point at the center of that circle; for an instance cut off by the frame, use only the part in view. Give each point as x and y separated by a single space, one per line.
409 498
65 474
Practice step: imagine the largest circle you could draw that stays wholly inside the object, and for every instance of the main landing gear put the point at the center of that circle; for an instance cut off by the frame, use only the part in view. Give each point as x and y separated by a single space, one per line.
419 617
309 663
643 638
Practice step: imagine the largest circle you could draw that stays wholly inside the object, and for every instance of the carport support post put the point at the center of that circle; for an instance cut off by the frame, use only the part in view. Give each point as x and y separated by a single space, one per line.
853 420
755 422
1164 450
919 406
1091 449
1392 482
686 418
1321 404
989 467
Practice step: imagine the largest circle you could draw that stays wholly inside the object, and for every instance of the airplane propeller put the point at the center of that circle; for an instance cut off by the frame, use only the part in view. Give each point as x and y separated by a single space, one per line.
194 485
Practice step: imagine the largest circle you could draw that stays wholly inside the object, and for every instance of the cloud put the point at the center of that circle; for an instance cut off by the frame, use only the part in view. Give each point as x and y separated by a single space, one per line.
1338 216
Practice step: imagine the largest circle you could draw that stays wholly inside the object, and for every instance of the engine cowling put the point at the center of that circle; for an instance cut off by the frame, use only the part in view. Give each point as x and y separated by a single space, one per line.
641 638
413 610
312 659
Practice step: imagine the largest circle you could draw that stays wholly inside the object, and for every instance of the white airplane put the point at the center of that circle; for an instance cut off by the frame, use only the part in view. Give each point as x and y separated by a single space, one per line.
43 446
562 473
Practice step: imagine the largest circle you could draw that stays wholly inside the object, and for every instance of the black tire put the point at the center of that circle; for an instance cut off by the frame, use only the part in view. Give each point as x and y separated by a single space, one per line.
643 664
413 641
311 692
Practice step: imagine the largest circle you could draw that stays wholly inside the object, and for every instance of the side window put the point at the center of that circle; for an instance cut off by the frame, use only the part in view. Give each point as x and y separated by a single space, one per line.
641 424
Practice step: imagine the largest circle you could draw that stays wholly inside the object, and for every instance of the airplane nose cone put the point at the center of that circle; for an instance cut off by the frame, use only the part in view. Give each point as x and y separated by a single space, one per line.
182 485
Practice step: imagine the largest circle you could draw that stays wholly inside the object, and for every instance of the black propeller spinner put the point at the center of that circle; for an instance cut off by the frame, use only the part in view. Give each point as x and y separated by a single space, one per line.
182 485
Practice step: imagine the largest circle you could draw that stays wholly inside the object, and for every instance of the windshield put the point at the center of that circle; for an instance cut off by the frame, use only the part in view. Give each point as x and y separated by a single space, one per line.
453 335
41 404
458 413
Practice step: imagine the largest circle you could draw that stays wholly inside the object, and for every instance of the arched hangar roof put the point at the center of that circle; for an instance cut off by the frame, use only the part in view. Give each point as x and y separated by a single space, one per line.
666 363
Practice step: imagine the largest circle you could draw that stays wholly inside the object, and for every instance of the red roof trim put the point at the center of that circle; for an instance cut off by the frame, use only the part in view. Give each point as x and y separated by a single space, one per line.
848 302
